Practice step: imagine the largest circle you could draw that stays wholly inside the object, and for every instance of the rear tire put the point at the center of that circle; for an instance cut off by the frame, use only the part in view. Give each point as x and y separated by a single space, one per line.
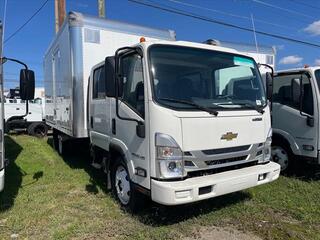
38 129
55 139
59 144
123 189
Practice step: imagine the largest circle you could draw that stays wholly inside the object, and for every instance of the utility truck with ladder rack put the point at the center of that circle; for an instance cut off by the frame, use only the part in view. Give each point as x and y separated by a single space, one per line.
176 121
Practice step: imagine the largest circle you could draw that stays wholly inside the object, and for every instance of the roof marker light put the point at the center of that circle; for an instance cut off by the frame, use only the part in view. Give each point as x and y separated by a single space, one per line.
142 39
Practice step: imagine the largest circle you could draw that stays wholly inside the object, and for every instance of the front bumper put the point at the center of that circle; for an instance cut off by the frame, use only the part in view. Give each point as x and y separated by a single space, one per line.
1 180
199 188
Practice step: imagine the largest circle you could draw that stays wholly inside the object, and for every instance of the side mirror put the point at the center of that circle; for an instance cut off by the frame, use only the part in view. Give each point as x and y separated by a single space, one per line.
140 92
27 84
269 85
296 91
109 68
121 80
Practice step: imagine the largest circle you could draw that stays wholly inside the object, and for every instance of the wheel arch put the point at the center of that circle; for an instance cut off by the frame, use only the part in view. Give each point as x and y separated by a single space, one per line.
119 149
279 135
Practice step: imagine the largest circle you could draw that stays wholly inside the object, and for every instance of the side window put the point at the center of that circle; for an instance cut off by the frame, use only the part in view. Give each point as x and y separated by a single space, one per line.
282 92
99 83
133 87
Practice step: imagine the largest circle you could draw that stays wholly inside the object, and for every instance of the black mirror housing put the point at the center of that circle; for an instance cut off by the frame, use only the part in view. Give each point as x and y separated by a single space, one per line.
296 91
27 84
120 85
269 85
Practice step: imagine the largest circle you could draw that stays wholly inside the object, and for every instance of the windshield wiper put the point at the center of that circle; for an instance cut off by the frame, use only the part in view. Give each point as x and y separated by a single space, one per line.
209 110
255 107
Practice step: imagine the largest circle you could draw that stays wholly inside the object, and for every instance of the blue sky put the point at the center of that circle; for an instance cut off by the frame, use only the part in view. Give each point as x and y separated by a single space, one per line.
293 18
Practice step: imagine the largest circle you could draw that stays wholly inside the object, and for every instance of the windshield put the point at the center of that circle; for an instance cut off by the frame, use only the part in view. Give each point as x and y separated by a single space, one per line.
317 73
207 78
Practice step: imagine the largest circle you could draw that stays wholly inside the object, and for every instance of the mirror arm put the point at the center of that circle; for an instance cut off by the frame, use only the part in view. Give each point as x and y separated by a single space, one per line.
27 109
268 66
5 59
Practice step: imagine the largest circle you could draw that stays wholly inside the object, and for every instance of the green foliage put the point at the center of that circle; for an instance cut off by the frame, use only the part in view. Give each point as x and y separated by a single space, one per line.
49 197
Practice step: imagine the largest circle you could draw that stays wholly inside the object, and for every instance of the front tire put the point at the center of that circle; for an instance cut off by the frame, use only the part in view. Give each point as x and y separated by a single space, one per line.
123 189
282 154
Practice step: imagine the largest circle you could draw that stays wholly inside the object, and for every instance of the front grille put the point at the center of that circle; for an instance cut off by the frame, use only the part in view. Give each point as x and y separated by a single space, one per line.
219 170
226 150
226 160
188 164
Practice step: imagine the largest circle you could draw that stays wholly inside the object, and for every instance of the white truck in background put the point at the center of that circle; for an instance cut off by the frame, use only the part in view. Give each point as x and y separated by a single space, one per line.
33 122
176 121
295 116
261 54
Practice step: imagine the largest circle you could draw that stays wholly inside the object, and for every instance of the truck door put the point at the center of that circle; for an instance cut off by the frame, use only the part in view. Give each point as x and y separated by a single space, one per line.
132 105
99 109
290 118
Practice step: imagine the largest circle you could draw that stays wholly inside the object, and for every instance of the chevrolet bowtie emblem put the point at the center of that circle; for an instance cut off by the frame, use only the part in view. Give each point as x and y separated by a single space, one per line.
229 136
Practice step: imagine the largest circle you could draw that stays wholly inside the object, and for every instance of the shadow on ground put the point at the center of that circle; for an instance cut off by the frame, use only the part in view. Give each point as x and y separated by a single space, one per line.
157 215
13 175
77 156
305 171
153 214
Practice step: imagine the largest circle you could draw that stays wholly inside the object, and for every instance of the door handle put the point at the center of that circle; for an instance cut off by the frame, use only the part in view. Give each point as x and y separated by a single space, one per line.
91 122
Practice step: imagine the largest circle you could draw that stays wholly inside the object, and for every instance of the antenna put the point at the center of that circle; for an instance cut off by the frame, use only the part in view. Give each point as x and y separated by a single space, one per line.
3 26
254 33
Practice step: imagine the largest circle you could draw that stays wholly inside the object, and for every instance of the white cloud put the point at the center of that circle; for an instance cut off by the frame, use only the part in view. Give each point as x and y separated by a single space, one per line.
313 28
293 59
317 62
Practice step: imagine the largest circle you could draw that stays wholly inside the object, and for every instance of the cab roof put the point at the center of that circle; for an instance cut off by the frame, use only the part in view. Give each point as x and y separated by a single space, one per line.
193 45
293 70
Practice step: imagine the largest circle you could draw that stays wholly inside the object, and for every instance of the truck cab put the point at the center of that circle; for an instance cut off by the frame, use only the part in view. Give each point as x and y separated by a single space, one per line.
179 122
295 116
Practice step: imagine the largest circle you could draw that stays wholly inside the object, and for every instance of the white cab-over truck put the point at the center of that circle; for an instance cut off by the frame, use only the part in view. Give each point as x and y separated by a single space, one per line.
295 116
174 120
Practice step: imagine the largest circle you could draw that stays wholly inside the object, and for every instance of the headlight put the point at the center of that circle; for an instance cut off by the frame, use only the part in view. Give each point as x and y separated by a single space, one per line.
169 157
267 148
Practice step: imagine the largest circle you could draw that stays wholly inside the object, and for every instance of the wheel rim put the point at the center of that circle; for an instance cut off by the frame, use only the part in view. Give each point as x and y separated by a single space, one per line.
122 185
39 131
279 155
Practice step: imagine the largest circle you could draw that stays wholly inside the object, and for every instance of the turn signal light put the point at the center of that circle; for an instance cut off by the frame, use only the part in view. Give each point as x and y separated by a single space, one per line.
142 39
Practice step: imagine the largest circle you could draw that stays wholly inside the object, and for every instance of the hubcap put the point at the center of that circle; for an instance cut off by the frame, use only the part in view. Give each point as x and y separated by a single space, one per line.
39 131
122 185
279 155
